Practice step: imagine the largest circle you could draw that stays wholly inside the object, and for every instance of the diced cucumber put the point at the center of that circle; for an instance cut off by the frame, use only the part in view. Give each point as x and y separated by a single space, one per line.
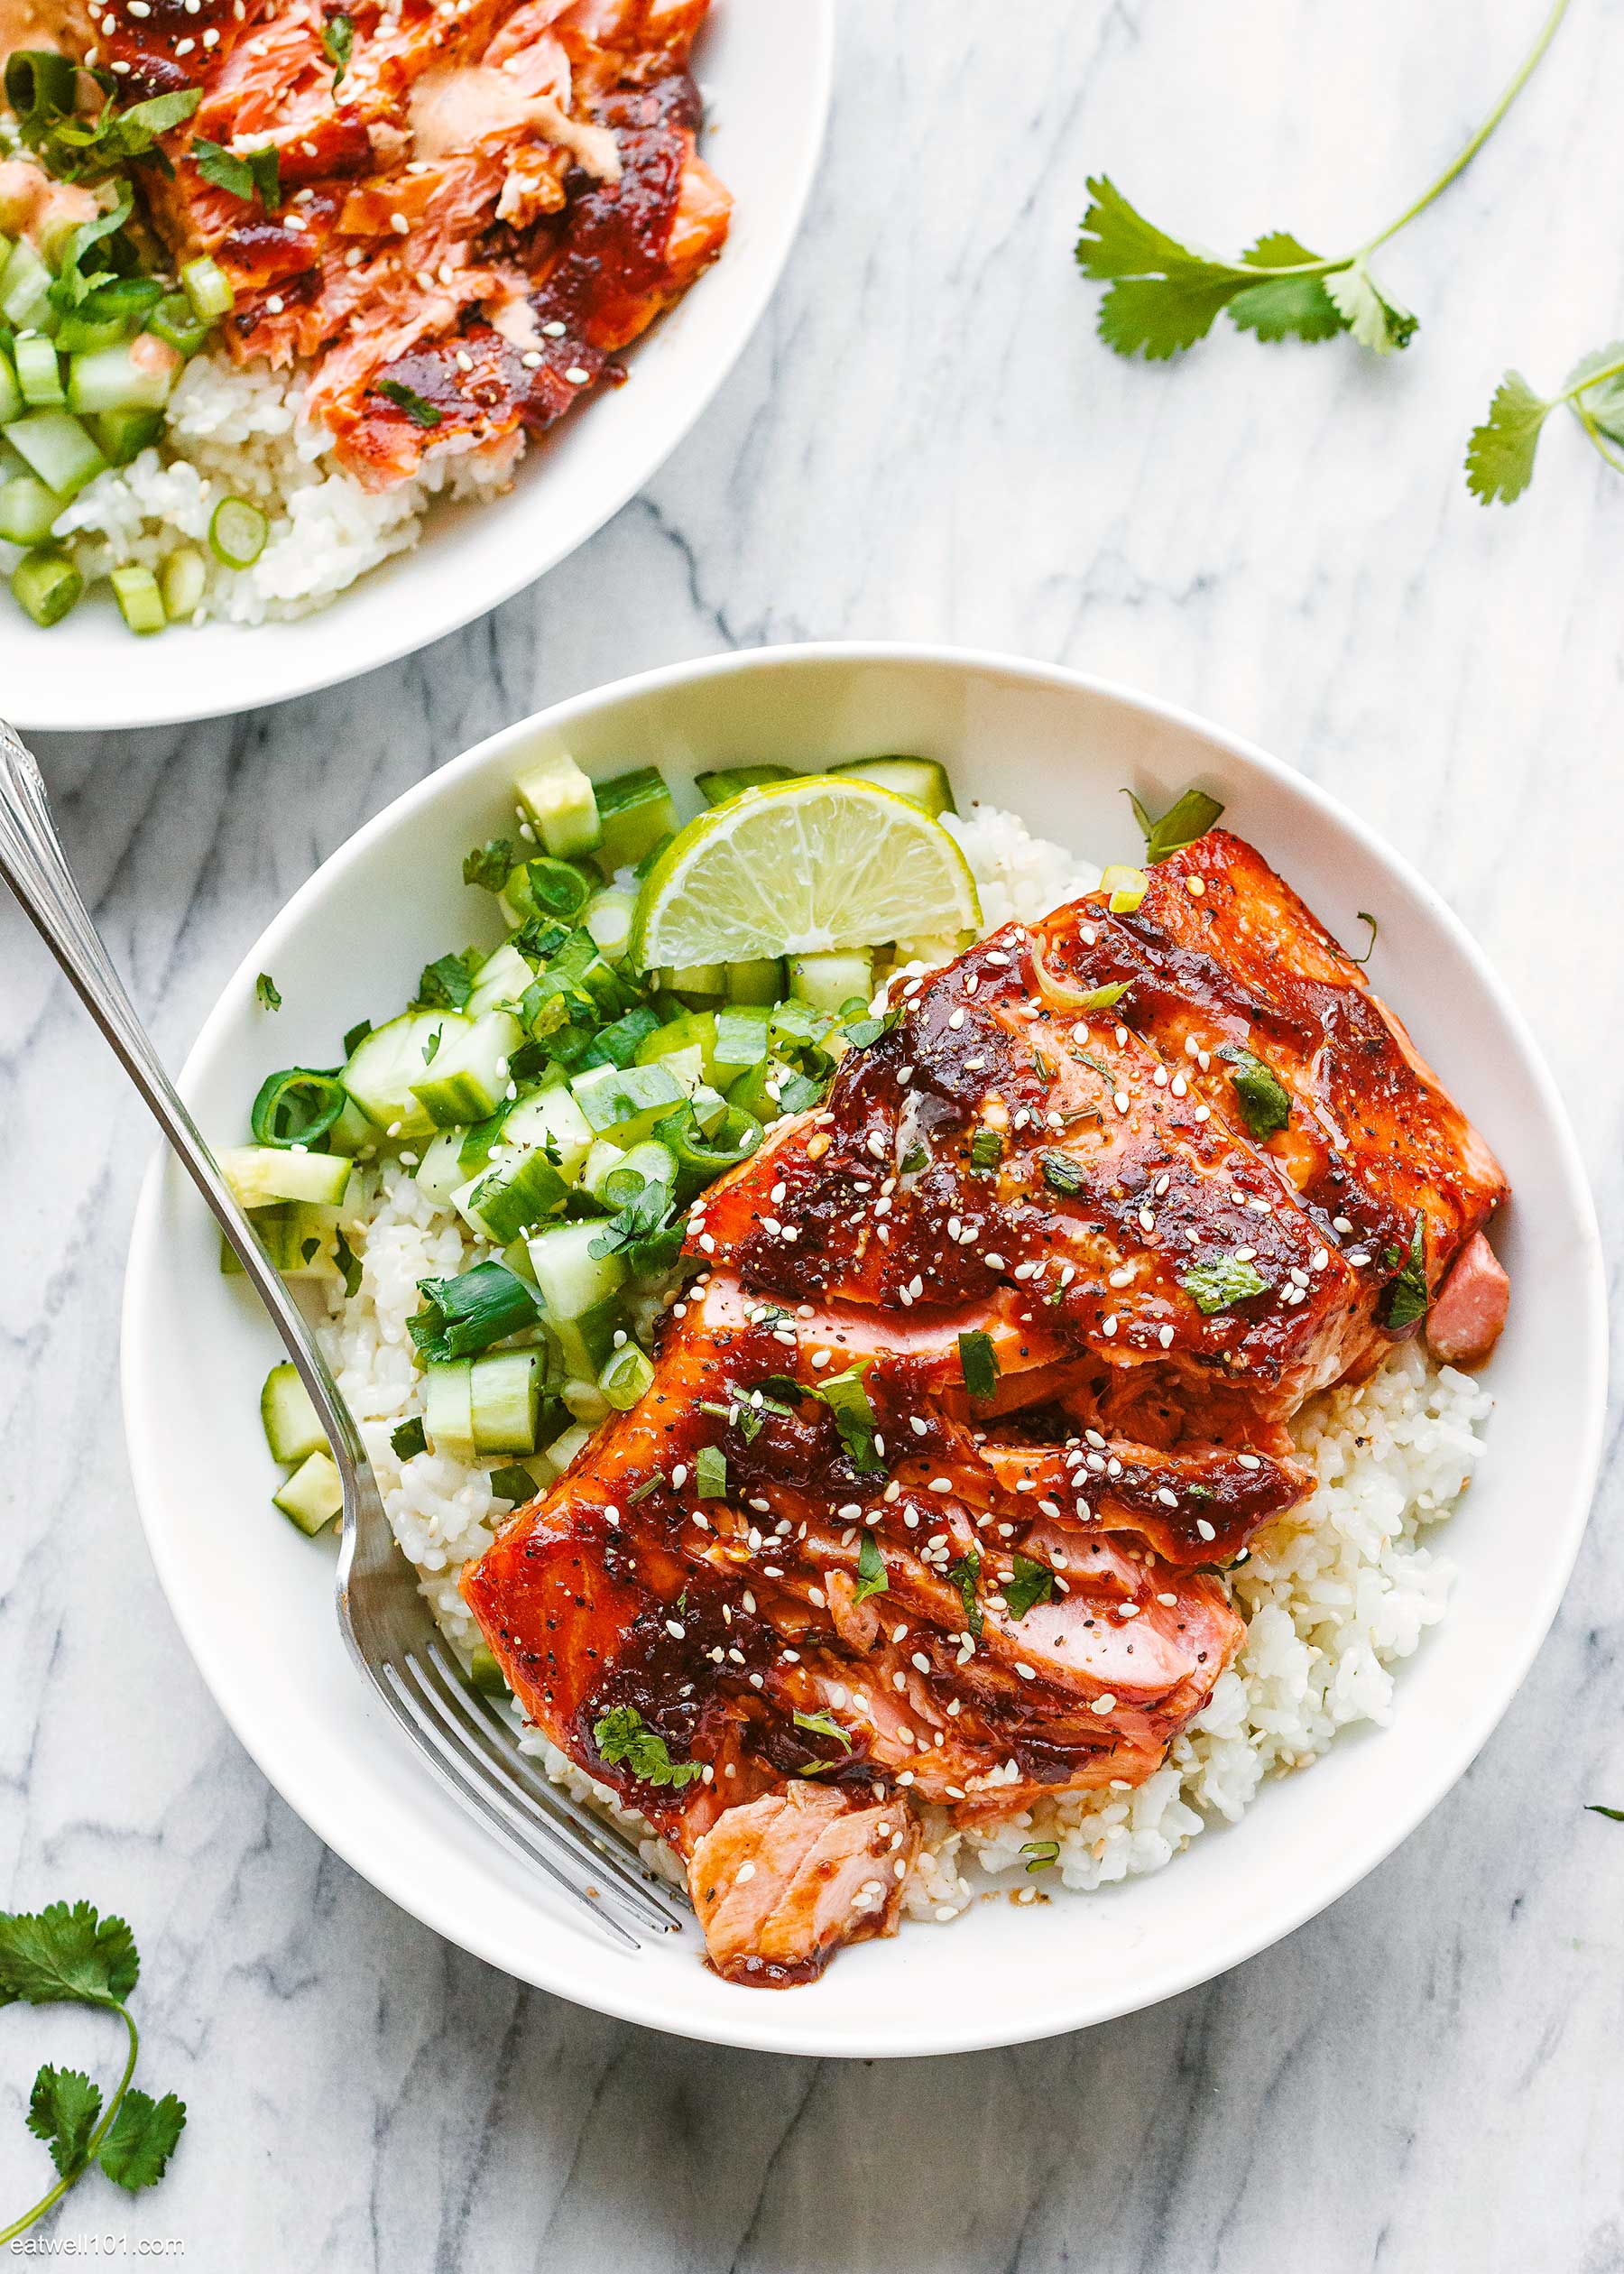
140 602
46 585
607 916
59 450
552 1122
134 376
710 1108
299 1237
313 1495
742 1041
571 1280
600 1164
260 1174
11 393
635 810
467 1076
485 1674
568 1447
500 979
622 1040
184 580
586 1403
689 1030
25 284
760 982
27 508
731 781
624 1377
293 1430
559 802
206 287
655 1163
448 1408
505 1396
587 1341
352 1132
123 435
920 779
628 1101
828 982
38 373
517 1191
698 984
383 1065
440 1172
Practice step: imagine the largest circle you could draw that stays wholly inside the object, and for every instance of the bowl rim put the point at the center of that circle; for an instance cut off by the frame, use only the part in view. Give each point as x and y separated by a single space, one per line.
761 2031
513 569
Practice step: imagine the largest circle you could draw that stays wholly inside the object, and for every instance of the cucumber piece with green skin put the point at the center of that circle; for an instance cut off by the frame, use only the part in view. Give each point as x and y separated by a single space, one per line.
467 1076
11 393
757 1092
829 982
505 1399
607 916
516 1192
724 782
550 1121
485 1674
58 449
625 1102
293 1430
920 779
689 1030
25 284
585 1403
570 1279
756 982
440 1172
742 1041
46 585
352 1133
300 1238
502 977
27 510
710 1109
313 1495
698 984
599 1165
448 1408
383 1066
39 372
137 375
635 810
561 805
259 1174
587 1341
568 1447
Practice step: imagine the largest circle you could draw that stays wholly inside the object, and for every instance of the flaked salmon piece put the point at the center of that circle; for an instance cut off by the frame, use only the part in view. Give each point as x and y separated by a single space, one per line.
1469 1312
532 170
781 1882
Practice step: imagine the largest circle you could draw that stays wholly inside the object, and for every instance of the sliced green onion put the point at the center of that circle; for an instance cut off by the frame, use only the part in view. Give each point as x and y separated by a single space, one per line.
108 314
38 373
206 285
546 887
177 323
296 1107
46 585
123 435
39 79
1125 886
701 1159
237 533
470 1312
58 449
140 602
183 580
625 1377
27 510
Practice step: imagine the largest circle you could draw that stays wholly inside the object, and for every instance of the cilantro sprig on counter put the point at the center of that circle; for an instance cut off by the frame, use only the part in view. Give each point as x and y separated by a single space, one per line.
1165 291
69 1955
1499 455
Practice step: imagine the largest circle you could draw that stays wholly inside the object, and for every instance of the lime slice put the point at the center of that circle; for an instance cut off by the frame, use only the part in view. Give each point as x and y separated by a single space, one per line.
797 869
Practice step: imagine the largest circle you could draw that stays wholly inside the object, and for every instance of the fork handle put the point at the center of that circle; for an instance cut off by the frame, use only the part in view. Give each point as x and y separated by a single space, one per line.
35 866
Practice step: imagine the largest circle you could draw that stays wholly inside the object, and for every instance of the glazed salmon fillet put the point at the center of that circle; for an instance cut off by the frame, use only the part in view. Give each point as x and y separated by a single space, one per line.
985 1373
474 207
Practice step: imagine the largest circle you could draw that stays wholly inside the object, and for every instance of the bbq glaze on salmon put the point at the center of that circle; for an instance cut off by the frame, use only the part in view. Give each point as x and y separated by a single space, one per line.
478 206
1167 1173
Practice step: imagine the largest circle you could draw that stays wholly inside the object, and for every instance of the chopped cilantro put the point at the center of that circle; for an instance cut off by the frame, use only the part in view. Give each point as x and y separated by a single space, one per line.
1405 1300
489 864
409 1439
1033 1583
870 1569
1215 1286
250 174
446 982
1188 818
621 1737
848 1401
418 409
356 1036
986 1149
1061 1173
710 1472
1265 1105
337 40
978 1364
965 1576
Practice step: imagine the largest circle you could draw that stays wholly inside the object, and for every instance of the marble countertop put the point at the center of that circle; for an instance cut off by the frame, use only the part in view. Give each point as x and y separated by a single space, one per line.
924 439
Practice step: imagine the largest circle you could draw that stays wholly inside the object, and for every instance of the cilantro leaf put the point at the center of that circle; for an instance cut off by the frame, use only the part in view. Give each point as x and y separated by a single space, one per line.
1600 1807
710 1472
1290 306
446 982
986 1150
871 1570
1188 818
824 1724
1596 383
1116 240
416 407
1033 1583
849 1402
136 2150
978 1364
1061 1173
337 40
62 2111
1159 316
411 1438
489 864
1376 322
268 993
622 1738
1215 1286
244 175
1265 1104
1499 454
1405 1299
73 146
965 1576
61 1956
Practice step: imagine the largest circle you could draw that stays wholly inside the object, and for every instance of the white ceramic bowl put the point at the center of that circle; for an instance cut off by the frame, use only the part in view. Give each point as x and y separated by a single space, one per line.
252 1597
766 74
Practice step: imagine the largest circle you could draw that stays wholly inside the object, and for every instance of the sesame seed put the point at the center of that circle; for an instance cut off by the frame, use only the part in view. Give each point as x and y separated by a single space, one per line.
1168 1499
1194 887
1205 1529
1027 1673
1164 1337
745 1871
955 1020
555 330
1119 1100
1169 1600
1104 1704
577 376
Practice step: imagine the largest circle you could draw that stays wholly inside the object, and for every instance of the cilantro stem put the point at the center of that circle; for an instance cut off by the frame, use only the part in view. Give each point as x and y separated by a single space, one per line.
1459 164
46 2201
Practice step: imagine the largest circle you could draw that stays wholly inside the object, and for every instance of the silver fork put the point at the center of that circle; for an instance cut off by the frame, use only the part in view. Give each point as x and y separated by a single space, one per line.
472 1750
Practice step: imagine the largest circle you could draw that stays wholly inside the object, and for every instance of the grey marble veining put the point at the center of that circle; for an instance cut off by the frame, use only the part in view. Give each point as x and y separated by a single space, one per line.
923 439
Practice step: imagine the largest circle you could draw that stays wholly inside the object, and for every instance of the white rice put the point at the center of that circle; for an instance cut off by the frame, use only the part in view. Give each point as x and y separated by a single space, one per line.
242 433
1336 1593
